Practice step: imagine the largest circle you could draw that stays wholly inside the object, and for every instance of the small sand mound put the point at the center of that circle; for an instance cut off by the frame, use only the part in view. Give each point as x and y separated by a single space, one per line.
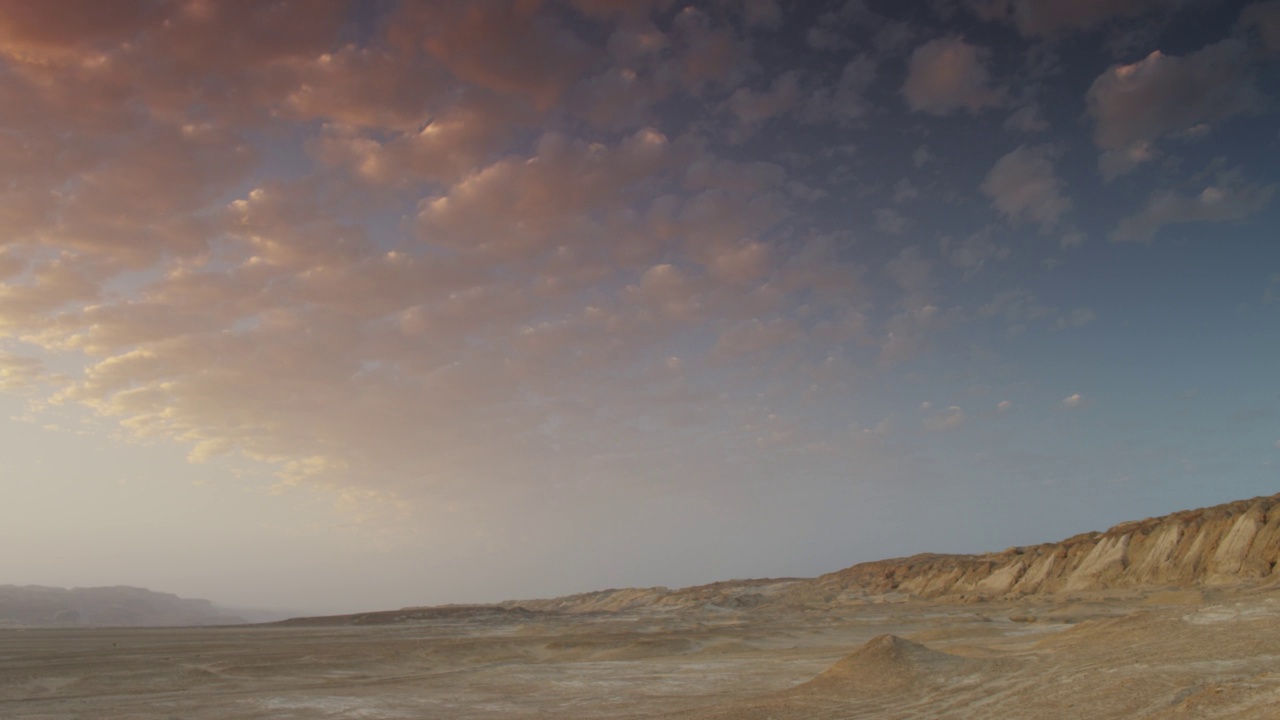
888 662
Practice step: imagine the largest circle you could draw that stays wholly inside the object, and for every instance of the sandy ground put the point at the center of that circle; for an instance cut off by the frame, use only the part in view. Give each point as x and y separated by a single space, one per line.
1160 656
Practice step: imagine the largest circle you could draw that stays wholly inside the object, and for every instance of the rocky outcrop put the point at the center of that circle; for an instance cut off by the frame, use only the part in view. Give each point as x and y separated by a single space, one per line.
35 606
1236 543
1233 544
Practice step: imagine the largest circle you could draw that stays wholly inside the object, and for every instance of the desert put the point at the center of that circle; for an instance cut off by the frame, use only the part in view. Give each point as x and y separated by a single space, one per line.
639 359
1170 617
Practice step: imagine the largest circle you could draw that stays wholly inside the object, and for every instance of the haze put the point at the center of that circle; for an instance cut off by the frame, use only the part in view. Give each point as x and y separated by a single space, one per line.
334 306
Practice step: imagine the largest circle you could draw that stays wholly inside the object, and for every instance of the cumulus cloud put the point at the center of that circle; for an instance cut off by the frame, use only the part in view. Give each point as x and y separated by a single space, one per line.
949 74
1229 199
1023 186
1134 105
1049 17
1074 400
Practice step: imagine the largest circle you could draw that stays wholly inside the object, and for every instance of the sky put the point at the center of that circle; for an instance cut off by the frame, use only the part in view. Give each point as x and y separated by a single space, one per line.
338 306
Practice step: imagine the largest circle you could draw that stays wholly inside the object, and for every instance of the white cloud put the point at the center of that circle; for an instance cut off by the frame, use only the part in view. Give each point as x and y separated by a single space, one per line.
1134 105
1073 401
1230 199
948 74
1023 186
1004 406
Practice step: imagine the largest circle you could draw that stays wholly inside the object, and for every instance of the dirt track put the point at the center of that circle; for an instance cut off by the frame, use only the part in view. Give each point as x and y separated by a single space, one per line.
1171 655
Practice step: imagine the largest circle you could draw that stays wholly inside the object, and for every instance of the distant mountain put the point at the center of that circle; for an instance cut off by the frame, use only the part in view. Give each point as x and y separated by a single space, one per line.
37 606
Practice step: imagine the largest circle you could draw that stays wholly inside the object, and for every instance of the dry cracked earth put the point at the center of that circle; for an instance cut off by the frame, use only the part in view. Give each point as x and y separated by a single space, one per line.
1132 654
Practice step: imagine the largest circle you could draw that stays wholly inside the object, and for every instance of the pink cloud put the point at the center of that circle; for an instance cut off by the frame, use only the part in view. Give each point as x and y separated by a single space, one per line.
949 74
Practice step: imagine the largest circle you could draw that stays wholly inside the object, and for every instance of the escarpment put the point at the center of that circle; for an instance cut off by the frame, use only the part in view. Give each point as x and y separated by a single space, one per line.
1227 544
1236 543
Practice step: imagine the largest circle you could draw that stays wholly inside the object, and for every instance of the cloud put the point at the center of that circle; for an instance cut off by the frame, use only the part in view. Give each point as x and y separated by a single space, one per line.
1073 401
1230 199
1019 308
844 100
19 374
1004 406
1134 105
506 47
973 253
1265 18
1077 318
1050 17
1027 119
752 108
1023 186
1271 293
364 87
707 54
948 74
943 420
891 221
762 13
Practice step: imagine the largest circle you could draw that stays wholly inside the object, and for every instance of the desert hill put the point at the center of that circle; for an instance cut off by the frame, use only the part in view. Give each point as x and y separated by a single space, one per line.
38 606
1236 543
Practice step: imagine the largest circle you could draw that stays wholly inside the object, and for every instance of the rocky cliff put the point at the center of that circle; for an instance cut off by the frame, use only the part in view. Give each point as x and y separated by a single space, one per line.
1235 543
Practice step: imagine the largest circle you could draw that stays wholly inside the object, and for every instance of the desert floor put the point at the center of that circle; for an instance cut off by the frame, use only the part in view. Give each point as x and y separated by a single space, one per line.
1173 654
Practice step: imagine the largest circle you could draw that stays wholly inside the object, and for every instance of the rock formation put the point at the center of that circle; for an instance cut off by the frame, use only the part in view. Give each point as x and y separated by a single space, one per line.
1236 543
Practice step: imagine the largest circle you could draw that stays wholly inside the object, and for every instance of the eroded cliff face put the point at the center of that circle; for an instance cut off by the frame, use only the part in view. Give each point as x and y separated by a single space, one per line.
1233 544
1230 544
